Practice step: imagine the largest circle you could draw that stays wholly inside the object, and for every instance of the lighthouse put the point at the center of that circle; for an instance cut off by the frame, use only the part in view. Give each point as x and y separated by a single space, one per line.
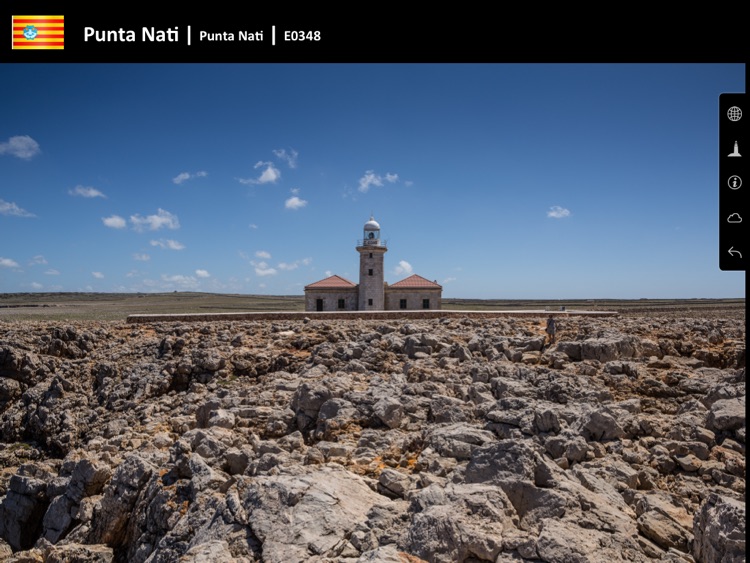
371 250
336 293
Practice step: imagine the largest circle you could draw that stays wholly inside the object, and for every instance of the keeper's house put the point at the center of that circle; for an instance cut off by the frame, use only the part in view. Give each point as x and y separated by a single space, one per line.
372 294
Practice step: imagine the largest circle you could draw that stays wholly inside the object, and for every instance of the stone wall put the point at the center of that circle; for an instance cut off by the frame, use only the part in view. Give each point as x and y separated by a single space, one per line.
331 298
353 315
414 299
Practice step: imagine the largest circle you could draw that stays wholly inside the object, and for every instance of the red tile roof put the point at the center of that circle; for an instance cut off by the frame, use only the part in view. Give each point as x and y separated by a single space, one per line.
416 281
334 282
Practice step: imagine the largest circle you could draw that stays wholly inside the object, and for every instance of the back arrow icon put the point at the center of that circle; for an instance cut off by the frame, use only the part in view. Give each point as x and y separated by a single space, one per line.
732 252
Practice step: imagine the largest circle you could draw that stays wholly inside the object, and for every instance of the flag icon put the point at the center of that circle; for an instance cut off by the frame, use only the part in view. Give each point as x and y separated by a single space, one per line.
38 32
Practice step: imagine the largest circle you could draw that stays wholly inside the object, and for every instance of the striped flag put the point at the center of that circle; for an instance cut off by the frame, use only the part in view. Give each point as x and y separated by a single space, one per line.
38 32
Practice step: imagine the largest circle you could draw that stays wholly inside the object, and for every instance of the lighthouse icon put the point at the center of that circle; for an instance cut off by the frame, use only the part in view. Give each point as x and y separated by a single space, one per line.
736 151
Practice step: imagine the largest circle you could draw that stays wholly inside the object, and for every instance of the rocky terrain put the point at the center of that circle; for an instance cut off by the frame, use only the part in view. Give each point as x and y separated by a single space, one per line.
453 440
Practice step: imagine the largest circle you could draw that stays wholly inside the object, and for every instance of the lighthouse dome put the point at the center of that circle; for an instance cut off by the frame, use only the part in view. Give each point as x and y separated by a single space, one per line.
372 225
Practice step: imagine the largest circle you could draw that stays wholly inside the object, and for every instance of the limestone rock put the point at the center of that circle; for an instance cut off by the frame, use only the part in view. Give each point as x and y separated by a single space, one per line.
450 439
727 414
111 516
719 529
311 513
460 521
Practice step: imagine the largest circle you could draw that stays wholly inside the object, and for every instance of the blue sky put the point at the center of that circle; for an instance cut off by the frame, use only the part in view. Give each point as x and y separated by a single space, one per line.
498 181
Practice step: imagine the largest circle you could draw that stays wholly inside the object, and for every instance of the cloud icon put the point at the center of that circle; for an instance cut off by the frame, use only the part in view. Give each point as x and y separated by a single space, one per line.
734 218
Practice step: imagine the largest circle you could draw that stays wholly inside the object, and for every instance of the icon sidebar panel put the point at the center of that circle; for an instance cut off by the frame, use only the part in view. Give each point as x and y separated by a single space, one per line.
734 151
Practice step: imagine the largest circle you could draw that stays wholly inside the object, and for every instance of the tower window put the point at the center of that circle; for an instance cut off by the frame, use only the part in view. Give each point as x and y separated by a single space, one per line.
369 302
370 254
342 304
425 303
402 304
369 272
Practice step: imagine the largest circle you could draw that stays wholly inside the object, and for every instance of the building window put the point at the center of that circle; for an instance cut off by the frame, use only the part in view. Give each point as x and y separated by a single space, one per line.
342 304
369 302
402 304
370 254
318 304
425 303
369 272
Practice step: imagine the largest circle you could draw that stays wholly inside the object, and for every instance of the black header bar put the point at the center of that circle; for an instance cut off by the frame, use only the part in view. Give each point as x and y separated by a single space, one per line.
216 33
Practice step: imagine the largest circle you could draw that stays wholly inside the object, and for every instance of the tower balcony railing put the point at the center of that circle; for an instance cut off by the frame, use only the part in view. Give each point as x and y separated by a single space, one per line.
372 242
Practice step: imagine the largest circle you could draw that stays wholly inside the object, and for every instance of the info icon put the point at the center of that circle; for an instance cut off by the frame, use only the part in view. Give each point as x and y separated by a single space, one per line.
734 182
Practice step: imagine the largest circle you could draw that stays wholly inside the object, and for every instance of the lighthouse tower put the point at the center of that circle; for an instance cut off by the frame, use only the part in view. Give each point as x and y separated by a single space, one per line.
371 276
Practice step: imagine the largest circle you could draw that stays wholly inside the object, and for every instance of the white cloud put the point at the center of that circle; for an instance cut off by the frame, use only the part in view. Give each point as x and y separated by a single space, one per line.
372 179
21 146
10 208
328 273
36 285
141 257
83 191
184 176
449 280
369 179
252 226
180 281
295 203
288 266
8 263
262 269
289 157
114 222
38 259
52 272
263 254
155 222
557 212
202 274
98 275
295 191
403 269
270 174
408 183
168 244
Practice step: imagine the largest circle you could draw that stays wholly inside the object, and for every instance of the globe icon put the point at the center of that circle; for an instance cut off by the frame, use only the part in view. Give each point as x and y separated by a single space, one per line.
734 113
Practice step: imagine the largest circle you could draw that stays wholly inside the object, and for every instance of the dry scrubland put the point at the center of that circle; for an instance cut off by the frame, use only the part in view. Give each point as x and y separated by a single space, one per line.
117 306
350 441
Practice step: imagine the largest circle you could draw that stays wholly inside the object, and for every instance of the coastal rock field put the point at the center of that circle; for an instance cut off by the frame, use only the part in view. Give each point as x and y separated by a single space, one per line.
445 440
